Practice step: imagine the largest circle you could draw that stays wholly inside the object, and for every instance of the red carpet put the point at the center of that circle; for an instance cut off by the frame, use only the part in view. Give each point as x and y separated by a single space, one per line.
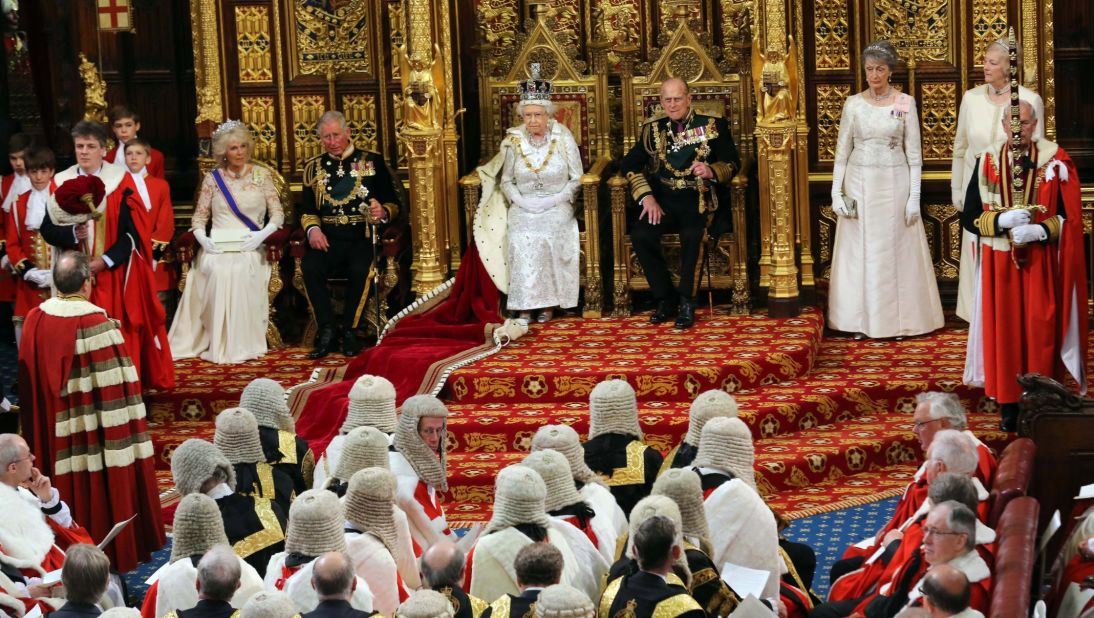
831 415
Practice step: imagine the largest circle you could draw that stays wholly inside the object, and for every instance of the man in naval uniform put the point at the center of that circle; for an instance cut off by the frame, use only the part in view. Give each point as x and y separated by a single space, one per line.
671 170
538 566
346 192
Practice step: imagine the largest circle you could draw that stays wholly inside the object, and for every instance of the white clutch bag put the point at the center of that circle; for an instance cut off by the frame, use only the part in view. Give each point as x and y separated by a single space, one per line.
230 240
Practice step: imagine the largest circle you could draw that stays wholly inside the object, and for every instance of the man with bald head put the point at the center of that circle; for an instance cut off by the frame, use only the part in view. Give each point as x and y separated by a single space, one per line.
678 172
1027 316
334 581
442 569
946 593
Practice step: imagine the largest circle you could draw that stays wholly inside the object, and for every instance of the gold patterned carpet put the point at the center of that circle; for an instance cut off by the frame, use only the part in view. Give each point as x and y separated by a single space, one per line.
830 415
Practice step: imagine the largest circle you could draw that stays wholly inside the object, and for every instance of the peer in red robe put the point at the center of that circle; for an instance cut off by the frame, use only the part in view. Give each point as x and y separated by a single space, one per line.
11 187
126 287
1030 309
157 219
84 419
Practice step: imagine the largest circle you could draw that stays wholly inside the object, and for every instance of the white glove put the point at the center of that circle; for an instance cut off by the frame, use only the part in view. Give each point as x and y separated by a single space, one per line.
207 244
39 277
839 206
1013 218
5 263
1024 234
259 237
911 209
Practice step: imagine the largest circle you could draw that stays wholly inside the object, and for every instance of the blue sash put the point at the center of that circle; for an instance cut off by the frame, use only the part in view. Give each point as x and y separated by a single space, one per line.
251 225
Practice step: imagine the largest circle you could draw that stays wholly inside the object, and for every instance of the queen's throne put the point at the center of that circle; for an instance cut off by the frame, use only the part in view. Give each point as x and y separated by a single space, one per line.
580 102
714 92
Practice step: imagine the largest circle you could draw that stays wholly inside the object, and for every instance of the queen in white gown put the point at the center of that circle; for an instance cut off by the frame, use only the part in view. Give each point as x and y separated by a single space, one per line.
223 313
540 176
883 282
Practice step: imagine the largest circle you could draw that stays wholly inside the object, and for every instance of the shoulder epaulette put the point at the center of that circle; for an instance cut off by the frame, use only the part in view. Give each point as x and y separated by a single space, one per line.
308 177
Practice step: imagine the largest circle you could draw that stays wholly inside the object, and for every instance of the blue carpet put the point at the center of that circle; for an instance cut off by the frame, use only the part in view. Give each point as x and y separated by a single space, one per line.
134 580
830 533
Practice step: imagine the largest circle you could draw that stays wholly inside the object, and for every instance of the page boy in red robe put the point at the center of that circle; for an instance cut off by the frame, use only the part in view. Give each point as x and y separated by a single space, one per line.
158 220
126 124
27 250
11 187
123 279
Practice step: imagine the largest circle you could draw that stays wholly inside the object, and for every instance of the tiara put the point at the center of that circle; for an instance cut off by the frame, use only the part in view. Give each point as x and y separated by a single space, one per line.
534 88
228 126
877 48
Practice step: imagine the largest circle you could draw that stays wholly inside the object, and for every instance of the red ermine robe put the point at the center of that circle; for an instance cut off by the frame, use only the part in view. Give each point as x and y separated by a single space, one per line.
84 419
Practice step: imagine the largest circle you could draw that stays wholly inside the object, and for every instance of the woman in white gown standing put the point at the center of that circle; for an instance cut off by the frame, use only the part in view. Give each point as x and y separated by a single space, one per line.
883 282
540 177
979 126
223 313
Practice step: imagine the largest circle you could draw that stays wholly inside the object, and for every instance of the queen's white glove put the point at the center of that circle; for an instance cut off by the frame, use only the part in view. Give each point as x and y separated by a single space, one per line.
259 237
840 207
1024 234
207 244
839 204
1013 218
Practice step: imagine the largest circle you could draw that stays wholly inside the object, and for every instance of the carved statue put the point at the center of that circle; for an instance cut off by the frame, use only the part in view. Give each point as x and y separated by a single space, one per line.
94 91
424 104
775 80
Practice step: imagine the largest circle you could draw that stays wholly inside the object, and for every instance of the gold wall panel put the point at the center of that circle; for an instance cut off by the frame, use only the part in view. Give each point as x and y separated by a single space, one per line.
332 37
397 116
831 35
306 110
360 113
498 21
566 16
253 44
919 26
397 27
830 98
938 119
989 24
943 226
260 114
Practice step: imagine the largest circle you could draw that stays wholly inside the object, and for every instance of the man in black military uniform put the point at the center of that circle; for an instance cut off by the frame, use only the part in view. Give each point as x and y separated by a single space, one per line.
538 565
677 171
655 590
345 190
442 569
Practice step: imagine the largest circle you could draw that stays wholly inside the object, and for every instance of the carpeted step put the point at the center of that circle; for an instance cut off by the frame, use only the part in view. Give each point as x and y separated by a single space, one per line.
563 360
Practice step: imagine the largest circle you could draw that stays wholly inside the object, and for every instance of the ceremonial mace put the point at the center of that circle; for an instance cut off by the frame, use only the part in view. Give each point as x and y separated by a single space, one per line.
1018 252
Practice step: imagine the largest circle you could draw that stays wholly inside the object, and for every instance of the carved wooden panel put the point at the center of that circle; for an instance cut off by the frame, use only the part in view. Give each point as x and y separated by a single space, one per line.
332 36
989 24
360 112
260 114
923 27
306 110
830 98
831 35
254 44
943 226
938 120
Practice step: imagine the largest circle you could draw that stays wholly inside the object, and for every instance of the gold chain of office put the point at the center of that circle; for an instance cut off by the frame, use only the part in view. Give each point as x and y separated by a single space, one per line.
324 194
542 166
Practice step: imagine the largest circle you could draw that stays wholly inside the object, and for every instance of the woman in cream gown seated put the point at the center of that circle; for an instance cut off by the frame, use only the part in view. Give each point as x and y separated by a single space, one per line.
223 313
883 282
979 126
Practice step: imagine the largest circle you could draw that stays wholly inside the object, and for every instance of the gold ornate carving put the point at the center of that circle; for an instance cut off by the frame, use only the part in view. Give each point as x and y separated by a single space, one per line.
253 44
777 195
1048 27
397 114
685 64
831 35
915 27
398 34
565 19
989 24
360 112
939 119
498 21
775 81
830 98
210 102
94 91
332 37
736 31
306 110
260 114
943 225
